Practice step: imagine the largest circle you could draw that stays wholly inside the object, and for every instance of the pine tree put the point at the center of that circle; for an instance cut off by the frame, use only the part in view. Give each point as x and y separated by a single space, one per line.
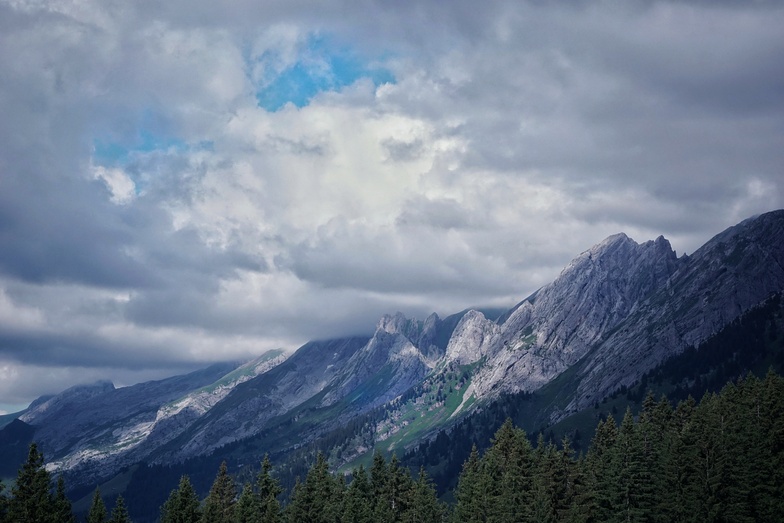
470 507
97 513
542 508
630 494
683 463
120 512
378 475
268 492
219 505
182 505
357 506
424 505
297 509
318 498
3 502
599 473
63 511
508 474
31 499
773 416
248 509
396 497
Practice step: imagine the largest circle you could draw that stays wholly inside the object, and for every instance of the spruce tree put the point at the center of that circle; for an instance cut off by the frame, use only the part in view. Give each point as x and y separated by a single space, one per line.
357 506
318 498
542 508
773 416
508 473
383 511
219 505
268 492
630 488
378 475
684 463
120 512
3 502
97 513
424 506
470 506
182 505
396 496
63 511
248 509
297 508
599 473
31 499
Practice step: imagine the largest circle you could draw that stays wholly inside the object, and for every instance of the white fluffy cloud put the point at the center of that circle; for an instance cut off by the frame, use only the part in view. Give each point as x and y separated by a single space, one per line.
188 182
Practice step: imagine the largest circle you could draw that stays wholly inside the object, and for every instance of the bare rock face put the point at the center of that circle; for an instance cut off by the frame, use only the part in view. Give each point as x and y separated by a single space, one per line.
615 312
735 271
97 427
247 408
471 338
561 322
353 375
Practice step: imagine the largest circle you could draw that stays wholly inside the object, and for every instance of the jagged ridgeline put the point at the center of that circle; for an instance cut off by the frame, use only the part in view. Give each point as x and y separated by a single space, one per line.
582 347
719 459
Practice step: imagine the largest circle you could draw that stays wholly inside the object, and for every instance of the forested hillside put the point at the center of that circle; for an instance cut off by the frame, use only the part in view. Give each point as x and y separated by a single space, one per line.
716 460
719 459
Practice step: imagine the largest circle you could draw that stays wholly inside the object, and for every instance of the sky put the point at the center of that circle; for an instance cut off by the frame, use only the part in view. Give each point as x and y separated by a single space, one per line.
191 181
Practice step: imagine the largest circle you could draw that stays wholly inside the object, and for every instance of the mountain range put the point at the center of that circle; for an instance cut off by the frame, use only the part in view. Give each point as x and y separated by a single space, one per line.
618 311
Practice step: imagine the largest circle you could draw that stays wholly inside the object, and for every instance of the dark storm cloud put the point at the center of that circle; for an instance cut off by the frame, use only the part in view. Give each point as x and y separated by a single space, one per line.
153 214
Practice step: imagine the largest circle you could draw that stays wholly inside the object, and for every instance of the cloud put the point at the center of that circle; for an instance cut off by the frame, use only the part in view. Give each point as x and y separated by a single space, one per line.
183 182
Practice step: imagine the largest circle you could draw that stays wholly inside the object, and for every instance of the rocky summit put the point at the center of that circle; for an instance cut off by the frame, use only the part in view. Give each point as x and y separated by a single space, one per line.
615 312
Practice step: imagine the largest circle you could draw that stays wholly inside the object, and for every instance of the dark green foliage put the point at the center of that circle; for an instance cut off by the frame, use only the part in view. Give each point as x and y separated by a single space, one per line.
268 491
120 512
318 498
97 513
248 509
423 506
3 503
357 505
719 460
471 504
31 500
63 512
389 495
182 505
219 505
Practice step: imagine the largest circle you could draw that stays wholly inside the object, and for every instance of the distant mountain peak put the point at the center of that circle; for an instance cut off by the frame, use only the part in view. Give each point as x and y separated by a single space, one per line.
616 311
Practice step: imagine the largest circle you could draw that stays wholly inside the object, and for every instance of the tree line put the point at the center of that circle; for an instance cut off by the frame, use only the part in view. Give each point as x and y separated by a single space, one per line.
721 459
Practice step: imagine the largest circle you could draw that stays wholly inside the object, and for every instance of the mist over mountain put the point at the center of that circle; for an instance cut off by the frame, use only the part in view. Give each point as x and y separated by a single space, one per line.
616 312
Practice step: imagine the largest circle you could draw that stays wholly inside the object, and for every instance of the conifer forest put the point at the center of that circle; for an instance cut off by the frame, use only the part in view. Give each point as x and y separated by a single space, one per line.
717 459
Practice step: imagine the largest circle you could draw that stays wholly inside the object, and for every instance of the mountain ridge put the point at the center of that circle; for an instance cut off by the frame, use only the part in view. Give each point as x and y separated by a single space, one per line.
614 312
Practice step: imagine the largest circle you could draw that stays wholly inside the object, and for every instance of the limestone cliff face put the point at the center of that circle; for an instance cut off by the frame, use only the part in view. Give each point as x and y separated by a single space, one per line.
561 322
615 312
98 427
735 271
471 338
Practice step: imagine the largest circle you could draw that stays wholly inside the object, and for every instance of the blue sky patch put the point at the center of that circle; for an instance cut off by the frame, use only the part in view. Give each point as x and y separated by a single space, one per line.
111 153
321 66
151 135
107 152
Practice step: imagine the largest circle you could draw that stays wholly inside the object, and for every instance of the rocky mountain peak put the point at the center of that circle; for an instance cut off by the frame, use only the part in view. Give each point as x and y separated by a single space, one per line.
72 396
616 311
470 339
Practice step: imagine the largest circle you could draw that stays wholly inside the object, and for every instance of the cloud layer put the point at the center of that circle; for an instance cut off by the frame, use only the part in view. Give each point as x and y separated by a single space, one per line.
185 182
